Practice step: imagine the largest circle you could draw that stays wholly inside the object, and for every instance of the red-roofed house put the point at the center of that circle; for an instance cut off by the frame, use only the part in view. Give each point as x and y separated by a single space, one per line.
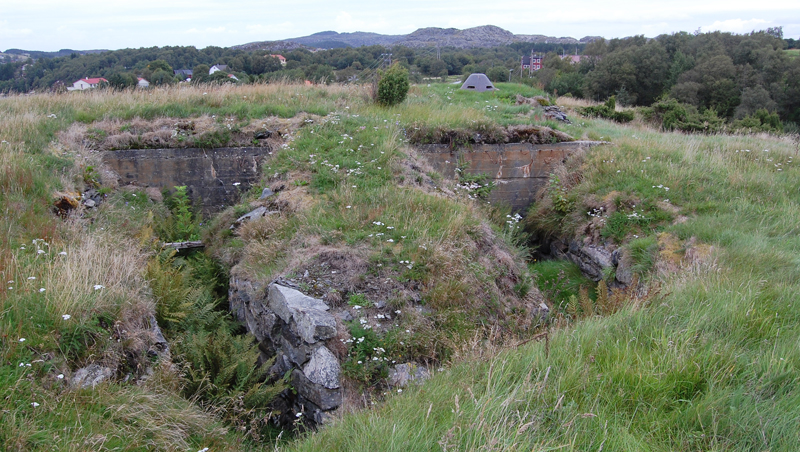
87 83
281 58
142 83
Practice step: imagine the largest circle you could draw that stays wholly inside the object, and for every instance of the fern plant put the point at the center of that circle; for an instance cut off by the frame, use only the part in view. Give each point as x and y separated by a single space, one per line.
174 296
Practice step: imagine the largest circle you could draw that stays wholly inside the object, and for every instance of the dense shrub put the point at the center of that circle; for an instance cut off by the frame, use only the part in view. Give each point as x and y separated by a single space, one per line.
760 121
670 114
393 85
607 111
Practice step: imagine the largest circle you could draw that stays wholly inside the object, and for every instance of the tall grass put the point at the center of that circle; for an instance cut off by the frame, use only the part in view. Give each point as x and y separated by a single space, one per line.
711 365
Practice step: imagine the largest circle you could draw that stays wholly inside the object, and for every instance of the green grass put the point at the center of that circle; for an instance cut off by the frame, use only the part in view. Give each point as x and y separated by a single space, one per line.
793 53
710 364
559 280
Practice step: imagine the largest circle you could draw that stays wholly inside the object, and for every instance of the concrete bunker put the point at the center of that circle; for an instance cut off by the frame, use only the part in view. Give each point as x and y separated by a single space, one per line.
478 82
215 178
518 170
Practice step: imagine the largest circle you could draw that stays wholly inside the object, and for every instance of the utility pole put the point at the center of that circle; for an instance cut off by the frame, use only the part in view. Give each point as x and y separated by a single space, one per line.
386 60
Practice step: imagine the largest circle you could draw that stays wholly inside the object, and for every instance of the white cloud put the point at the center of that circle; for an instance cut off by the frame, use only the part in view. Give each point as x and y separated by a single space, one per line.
344 21
737 25
12 33
269 32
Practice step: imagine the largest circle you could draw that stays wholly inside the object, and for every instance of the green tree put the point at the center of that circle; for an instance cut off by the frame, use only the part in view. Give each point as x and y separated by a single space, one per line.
570 83
754 99
162 77
156 65
497 74
200 73
393 85
219 77
122 80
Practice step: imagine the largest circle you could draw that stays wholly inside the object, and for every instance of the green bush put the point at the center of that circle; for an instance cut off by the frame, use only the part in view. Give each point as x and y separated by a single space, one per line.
607 111
760 121
673 115
393 85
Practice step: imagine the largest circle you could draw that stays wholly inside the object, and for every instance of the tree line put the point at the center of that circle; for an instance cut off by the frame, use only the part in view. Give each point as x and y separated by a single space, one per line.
156 64
730 74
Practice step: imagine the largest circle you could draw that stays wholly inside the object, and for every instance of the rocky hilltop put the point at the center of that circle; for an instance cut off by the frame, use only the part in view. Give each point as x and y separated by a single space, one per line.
331 39
483 36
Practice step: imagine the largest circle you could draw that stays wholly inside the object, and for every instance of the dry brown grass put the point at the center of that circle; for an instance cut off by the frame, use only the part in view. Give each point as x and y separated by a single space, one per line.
93 260
573 102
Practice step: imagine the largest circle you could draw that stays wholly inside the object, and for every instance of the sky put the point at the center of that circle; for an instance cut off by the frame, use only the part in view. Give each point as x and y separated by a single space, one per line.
53 25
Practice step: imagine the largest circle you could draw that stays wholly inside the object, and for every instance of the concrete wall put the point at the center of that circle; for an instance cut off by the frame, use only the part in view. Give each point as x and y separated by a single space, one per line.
209 174
518 169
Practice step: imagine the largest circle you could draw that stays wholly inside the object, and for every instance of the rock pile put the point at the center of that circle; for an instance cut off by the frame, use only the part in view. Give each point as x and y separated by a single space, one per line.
293 328
553 112
65 202
550 111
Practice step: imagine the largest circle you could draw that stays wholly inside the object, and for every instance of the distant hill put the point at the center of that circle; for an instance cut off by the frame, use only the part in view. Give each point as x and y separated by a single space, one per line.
483 36
35 54
356 39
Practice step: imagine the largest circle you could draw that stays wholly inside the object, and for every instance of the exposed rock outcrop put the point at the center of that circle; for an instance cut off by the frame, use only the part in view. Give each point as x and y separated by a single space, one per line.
596 262
403 374
90 376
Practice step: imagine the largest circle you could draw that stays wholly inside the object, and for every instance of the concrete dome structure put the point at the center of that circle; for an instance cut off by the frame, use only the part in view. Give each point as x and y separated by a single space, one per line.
478 82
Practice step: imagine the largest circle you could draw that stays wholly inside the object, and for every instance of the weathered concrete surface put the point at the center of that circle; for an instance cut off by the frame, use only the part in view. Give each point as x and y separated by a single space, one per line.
518 169
209 174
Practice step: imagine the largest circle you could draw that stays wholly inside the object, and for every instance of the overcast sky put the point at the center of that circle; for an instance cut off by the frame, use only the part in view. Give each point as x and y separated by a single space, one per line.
53 25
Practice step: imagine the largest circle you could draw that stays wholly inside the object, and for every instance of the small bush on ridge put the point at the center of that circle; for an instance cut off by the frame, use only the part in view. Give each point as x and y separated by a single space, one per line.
393 86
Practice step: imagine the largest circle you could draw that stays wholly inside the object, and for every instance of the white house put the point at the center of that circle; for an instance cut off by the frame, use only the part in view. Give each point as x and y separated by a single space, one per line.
218 67
142 83
86 83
